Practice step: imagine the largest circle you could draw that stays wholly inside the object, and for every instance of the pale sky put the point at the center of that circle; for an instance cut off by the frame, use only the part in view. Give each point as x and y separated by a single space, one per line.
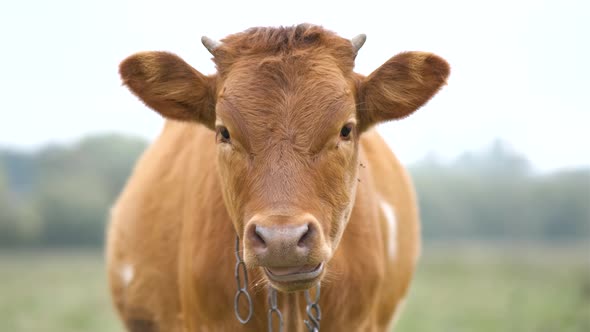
520 69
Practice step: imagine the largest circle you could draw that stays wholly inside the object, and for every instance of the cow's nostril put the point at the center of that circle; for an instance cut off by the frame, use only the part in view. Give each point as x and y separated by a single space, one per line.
257 237
306 236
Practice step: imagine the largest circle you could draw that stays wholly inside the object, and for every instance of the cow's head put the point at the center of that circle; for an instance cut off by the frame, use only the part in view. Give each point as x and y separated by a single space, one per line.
288 112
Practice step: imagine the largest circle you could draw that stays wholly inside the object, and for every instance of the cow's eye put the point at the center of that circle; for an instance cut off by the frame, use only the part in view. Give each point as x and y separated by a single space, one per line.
223 134
345 131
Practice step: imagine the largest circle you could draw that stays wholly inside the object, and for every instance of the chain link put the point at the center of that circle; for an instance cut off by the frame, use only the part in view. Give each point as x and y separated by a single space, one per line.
274 310
314 313
242 287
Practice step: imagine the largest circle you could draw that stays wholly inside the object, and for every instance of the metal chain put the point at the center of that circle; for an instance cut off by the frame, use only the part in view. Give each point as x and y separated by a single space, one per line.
314 313
242 288
313 307
274 309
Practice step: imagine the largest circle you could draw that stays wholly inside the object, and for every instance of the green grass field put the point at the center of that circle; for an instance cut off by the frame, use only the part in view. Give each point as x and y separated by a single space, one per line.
456 289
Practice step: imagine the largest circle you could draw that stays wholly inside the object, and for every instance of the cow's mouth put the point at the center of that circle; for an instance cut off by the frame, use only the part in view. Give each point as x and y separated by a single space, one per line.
295 273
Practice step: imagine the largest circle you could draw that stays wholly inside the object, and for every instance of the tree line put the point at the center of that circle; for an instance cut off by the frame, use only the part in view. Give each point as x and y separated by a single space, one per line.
60 195
496 194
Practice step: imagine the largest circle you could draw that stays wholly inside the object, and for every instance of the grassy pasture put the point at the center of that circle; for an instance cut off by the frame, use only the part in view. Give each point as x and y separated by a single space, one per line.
458 288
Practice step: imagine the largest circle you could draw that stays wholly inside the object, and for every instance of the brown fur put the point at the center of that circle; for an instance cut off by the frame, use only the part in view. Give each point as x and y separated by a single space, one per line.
283 94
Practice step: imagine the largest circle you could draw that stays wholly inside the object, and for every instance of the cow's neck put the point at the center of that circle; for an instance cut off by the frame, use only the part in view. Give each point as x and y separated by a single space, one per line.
291 308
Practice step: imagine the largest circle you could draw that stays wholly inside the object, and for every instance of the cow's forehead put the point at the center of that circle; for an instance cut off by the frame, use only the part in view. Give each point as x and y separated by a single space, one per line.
276 80
287 84
303 111
292 92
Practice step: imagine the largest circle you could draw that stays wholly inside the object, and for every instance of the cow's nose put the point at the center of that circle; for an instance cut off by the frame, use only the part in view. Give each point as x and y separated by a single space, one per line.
281 236
282 245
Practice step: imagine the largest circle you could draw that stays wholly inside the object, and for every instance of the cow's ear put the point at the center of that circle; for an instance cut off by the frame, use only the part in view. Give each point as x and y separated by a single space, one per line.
400 86
170 86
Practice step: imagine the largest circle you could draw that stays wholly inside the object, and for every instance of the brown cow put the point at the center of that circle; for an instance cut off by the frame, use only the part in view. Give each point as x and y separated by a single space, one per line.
276 148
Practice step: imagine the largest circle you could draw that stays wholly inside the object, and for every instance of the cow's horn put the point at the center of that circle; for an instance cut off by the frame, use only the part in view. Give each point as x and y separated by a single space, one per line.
210 44
358 42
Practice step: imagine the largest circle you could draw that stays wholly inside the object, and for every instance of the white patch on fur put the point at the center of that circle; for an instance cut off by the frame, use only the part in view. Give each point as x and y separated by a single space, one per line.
398 309
389 214
127 273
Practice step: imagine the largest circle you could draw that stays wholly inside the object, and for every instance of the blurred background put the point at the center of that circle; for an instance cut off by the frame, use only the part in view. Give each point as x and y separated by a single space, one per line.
500 157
